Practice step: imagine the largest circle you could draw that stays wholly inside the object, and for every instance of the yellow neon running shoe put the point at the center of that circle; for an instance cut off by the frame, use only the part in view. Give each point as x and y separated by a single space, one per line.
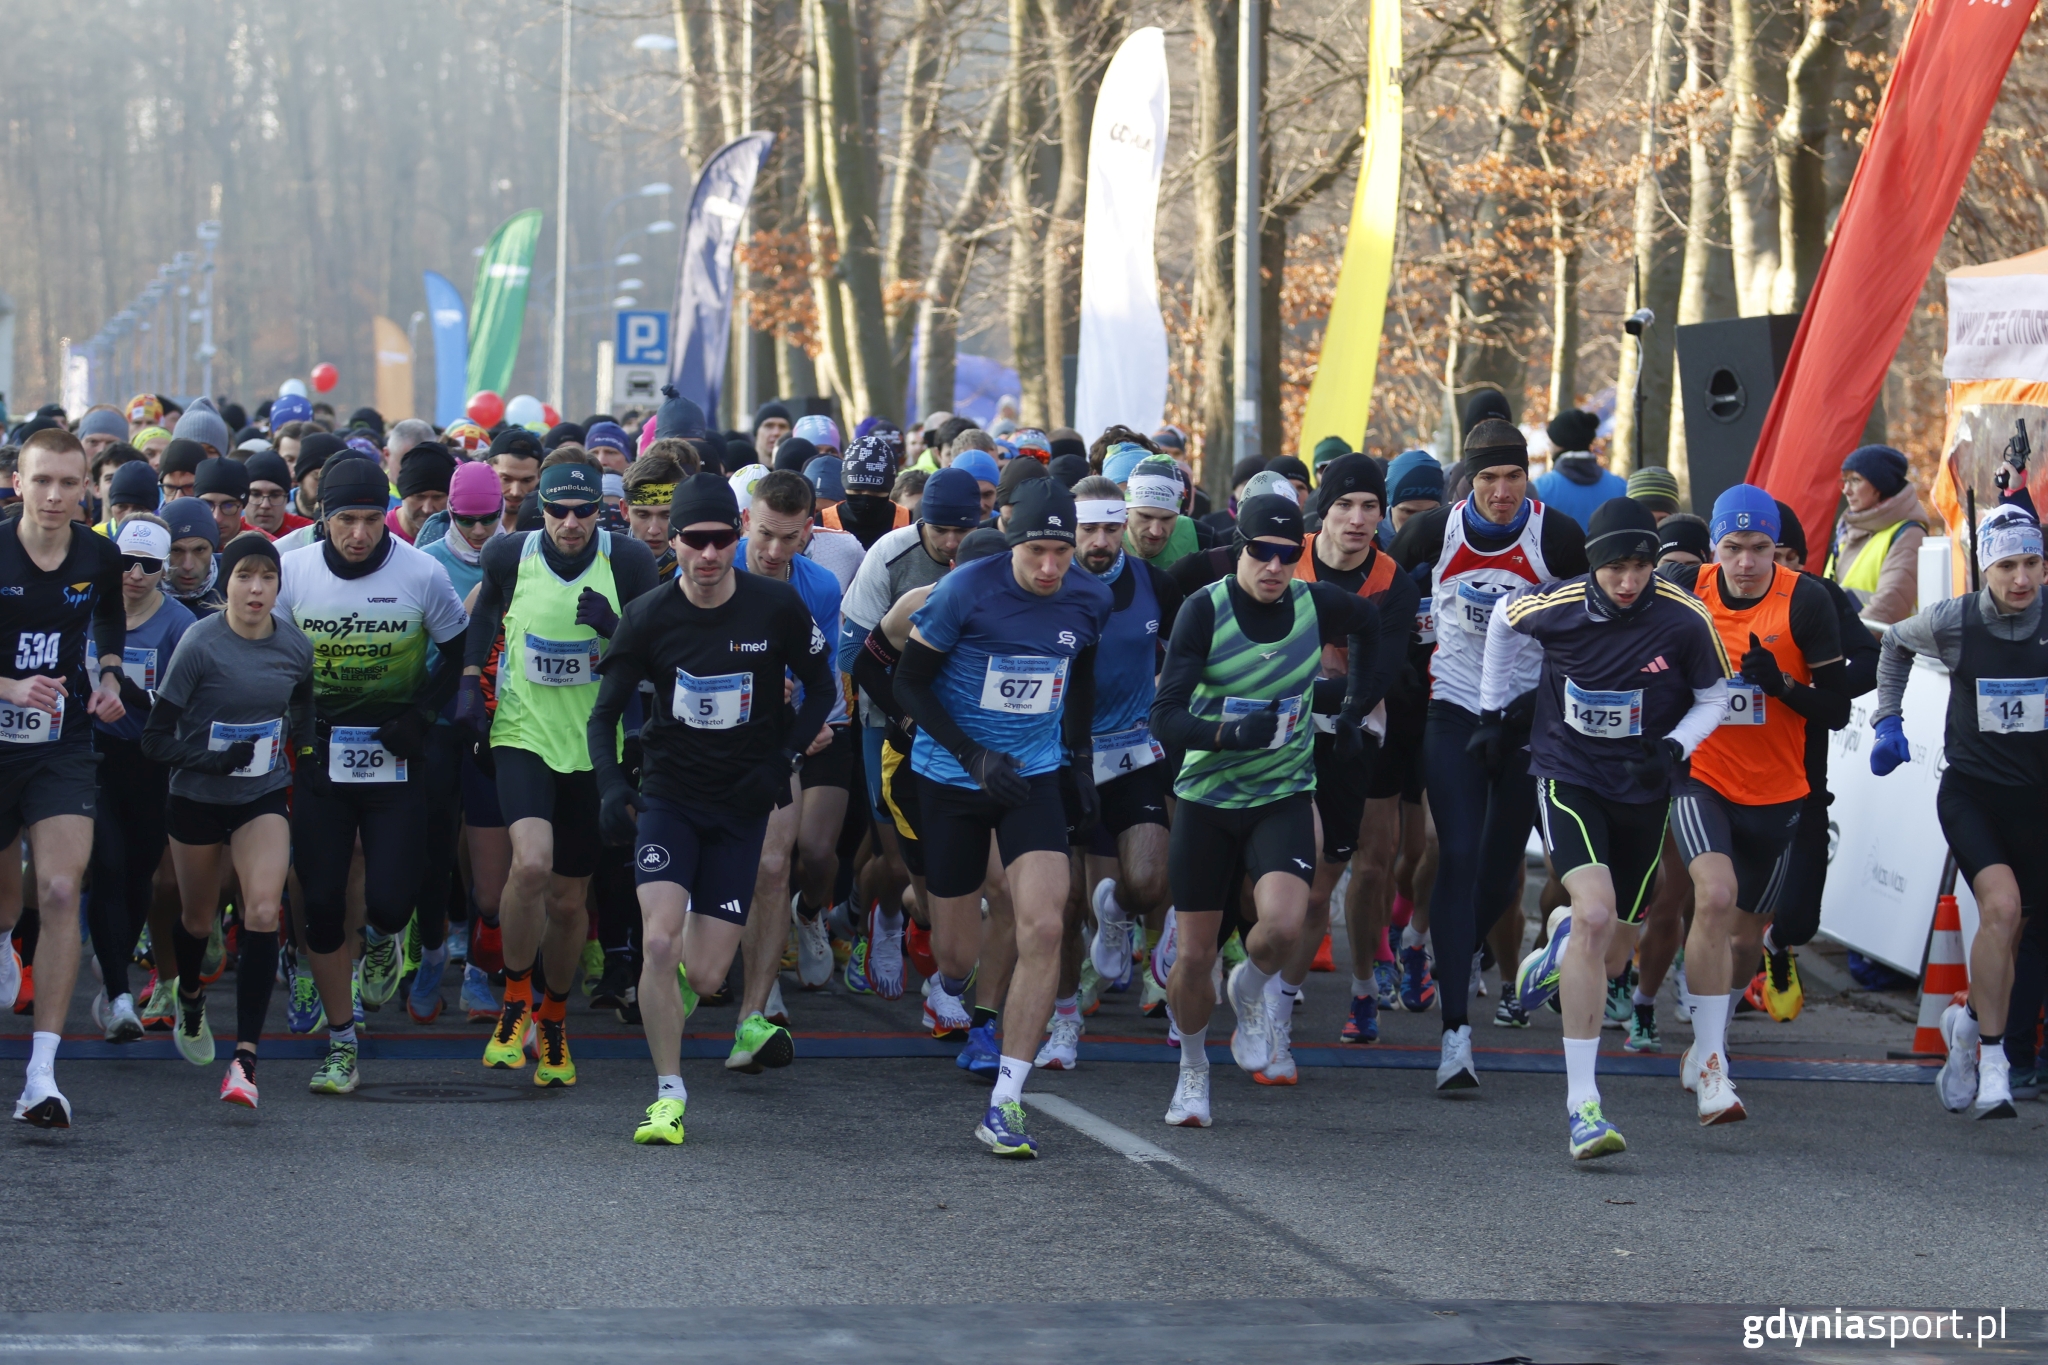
554 1066
506 1049
664 1123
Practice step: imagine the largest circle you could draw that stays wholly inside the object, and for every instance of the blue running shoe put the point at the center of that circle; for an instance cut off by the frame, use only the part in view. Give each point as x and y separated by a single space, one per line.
423 1001
1592 1135
303 1012
856 975
1536 981
981 1056
1364 1024
477 1001
1387 976
1002 1130
1418 987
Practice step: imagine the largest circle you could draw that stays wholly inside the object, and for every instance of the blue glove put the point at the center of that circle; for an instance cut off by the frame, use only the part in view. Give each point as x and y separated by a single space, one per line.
1891 749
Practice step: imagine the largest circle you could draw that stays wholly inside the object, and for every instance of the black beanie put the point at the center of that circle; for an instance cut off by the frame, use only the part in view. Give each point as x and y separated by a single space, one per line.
316 450
1350 474
794 453
1042 509
1573 430
703 497
182 456
369 419
1068 469
426 468
771 409
980 543
678 416
269 466
1791 534
561 433
1621 528
244 546
1487 403
222 475
1684 532
352 482
1268 514
1494 442
1242 471
517 441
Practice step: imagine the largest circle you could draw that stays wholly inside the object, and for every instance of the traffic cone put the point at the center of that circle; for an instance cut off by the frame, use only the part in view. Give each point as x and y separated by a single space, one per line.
1947 979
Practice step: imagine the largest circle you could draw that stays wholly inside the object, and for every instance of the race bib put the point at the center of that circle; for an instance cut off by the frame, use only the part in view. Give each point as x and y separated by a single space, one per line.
1023 684
266 737
1290 715
1475 606
1425 626
1745 704
1603 715
1125 752
30 724
719 703
139 664
2011 706
354 757
560 663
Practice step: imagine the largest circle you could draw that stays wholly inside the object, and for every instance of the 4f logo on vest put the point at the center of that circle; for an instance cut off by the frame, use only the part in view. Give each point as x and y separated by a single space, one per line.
37 648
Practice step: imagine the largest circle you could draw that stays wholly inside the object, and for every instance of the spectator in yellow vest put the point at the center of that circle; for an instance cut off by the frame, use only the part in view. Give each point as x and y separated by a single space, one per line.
1877 542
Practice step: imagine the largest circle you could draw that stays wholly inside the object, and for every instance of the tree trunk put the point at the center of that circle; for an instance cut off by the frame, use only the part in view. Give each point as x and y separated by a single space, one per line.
1554 82
1024 300
1759 36
1707 280
1655 277
925 66
851 182
833 365
1500 309
725 65
1799 152
691 41
939 306
1215 54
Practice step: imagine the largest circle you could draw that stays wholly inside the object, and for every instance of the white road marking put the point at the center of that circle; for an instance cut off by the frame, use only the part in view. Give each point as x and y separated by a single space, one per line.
1101 1129
158 1345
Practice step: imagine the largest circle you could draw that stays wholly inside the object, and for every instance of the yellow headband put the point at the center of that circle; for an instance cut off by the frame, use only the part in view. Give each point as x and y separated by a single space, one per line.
651 495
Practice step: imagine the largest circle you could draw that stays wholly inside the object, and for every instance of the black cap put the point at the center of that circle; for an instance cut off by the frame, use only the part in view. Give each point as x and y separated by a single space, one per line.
794 452
244 546
181 456
1068 469
222 475
316 450
1269 514
1041 509
1350 474
1791 533
352 482
1621 528
426 468
703 497
980 543
1684 532
517 441
269 466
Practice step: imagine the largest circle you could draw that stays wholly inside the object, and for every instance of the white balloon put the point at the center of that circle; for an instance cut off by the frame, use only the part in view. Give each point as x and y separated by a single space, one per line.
291 388
525 411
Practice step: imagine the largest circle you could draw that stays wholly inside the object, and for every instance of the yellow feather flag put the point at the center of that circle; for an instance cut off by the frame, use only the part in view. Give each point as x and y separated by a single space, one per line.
1340 397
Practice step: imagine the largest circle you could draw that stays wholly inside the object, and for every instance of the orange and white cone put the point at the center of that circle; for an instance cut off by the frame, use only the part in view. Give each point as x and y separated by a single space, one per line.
1946 981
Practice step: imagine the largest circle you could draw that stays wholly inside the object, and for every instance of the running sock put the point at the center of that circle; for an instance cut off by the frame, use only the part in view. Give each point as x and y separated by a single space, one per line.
984 1017
1992 1039
1194 1049
436 956
1010 1080
1411 939
1710 1027
1580 1057
1640 999
255 978
42 1054
1385 951
1361 989
889 921
189 951
519 986
1069 1008
670 1088
955 986
1403 910
555 1007
1254 979
343 1035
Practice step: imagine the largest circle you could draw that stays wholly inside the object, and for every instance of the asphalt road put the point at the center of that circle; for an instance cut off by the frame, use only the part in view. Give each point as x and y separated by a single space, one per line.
842 1207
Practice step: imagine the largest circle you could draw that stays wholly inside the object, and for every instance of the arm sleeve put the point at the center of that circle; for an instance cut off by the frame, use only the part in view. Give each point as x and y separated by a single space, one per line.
804 646
300 708
1564 545
447 674
160 742
109 615
1708 706
1167 589
1077 713
1826 701
873 664
621 671
1187 653
1503 647
1815 627
633 571
493 595
915 673
1859 647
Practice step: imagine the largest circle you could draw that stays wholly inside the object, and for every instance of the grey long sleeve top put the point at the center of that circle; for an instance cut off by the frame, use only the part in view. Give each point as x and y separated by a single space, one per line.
1938 633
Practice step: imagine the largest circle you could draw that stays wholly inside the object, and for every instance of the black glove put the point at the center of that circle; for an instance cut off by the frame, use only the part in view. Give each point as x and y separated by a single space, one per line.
405 735
472 711
309 773
1089 804
997 775
1760 666
616 819
1254 731
221 762
1489 743
1353 740
1656 760
592 610
134 698
1519 717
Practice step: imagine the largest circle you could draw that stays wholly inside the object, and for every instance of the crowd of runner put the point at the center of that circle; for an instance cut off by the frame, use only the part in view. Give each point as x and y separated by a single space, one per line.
481 721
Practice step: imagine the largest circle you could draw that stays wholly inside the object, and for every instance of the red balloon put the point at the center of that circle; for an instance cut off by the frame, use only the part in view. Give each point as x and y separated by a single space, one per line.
325 377
486 409
547 410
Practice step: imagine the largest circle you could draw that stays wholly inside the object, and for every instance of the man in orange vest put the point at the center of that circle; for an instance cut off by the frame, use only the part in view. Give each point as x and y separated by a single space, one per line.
1736 813
865 473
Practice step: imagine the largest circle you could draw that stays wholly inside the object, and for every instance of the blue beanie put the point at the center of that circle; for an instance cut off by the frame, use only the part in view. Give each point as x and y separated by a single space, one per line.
1123 457
103 422
824 474
951 498
135 485
189 518
980 464
1744 507
1880 466
1414 474
606 436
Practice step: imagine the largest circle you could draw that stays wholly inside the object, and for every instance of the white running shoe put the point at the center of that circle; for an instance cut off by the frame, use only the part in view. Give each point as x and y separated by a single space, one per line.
1455 1071
1994 1084
1689 1070
122 1023
1956 1082
885 956
1280 1069
41 1104
1251 1042
945 1015
1718 1102
813 950
1190 1107
775 1011
1111 951
1160 962
10 971
1062 1050
99 1009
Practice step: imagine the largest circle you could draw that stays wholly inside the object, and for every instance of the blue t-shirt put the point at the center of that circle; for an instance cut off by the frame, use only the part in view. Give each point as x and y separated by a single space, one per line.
145 658
1127 660
1009 656
819 588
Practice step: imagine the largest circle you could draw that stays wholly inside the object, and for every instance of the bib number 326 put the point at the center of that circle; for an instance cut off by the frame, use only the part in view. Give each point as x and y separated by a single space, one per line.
354 757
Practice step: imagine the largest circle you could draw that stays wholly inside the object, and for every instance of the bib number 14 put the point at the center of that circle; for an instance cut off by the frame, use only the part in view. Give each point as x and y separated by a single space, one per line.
2011 706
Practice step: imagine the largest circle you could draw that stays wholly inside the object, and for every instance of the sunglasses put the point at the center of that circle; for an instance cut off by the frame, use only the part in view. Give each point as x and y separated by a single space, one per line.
572 511
484 520
708 540
1269 552
142 562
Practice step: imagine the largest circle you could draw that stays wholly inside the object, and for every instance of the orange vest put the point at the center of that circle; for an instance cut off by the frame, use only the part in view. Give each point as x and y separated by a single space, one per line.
902 519
1337 658
1756 765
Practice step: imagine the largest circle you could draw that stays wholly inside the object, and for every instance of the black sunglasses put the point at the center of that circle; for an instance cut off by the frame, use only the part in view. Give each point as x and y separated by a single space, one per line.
714 540
483 520
572 511
1268 551
142 562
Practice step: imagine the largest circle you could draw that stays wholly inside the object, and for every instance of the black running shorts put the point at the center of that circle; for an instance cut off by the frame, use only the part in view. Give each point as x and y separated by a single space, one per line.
1581 828
1988 824
200 823
528 789
64 780
956 822
1757 839
712 855
1214 848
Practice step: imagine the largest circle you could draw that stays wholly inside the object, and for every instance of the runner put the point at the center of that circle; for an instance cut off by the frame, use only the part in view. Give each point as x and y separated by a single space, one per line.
235 701
223 485
1473 552
1736 813
865 475
718 749
1246 808
1130 773
270 486
1991 804
650 485
192 576
372 606
553 595
1632 679
1000 661
62 581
